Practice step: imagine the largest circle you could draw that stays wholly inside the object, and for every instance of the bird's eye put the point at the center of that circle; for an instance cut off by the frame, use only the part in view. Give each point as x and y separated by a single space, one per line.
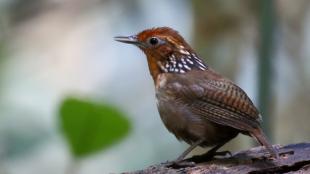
153 41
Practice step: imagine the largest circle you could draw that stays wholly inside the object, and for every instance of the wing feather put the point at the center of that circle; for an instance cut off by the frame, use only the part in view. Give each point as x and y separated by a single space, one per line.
216 99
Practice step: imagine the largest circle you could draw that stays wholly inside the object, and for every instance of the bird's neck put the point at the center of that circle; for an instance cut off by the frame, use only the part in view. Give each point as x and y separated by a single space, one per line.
153 67
175 63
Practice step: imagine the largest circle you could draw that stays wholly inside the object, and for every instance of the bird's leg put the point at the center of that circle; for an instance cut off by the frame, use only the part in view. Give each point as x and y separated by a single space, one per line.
179 161
212 152
189 149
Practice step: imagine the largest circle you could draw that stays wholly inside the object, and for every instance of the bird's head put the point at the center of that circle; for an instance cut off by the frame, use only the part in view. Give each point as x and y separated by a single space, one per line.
166 51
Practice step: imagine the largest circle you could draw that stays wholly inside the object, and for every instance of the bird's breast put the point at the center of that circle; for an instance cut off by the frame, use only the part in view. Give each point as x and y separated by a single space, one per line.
179 120
178 117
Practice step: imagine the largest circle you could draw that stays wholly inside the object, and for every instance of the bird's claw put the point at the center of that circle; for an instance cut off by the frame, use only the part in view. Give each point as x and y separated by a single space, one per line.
179 164
223 153
208 156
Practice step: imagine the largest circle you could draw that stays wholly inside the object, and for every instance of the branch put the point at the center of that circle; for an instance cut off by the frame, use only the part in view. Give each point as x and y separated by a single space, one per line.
294 158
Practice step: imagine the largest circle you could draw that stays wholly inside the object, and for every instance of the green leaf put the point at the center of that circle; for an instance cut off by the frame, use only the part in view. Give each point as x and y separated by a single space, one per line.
90 127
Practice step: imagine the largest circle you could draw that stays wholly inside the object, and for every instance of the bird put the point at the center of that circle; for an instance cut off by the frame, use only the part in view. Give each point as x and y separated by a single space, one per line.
196 104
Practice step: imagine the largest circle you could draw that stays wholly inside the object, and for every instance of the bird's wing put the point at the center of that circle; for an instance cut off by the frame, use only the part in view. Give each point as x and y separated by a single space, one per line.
216 99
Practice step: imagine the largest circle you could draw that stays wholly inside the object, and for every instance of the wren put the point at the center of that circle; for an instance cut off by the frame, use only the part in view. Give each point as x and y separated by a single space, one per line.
196 104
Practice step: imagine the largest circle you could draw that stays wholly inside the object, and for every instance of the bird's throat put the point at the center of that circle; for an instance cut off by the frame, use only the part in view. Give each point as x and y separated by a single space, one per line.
153 67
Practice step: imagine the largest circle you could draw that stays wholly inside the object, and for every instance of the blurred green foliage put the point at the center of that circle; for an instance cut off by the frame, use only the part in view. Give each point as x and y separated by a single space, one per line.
90 127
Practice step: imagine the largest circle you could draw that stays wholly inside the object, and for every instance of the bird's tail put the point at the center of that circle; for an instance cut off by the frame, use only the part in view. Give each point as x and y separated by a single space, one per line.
262 139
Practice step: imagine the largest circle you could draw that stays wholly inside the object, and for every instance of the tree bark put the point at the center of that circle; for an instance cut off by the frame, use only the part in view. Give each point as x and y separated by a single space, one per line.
294 158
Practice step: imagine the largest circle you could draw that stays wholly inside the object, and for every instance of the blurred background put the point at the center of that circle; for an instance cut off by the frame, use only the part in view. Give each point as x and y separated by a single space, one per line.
72 100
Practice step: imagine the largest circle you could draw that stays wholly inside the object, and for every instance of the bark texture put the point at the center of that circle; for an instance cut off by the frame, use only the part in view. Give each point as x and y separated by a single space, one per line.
294 158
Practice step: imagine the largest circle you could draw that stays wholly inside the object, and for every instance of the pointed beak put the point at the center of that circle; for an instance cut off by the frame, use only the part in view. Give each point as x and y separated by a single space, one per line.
128 39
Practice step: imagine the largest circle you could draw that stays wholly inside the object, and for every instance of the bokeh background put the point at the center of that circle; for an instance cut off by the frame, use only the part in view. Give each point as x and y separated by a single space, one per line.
60 70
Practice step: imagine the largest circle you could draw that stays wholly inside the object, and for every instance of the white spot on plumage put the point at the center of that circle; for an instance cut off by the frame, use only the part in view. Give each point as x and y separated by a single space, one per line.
198 60
189 61
202 68
182 64
184 52
172 57
260 118
194 55
183 60
201 64
187 67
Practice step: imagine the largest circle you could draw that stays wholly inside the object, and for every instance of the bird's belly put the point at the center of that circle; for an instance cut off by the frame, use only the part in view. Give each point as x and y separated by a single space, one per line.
186 126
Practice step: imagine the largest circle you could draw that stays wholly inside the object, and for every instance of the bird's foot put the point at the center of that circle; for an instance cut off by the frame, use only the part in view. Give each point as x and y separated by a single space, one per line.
223 153
195 159
209 155
179 164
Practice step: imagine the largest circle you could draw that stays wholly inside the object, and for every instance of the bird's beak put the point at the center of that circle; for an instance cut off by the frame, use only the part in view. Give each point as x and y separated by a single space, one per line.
128 39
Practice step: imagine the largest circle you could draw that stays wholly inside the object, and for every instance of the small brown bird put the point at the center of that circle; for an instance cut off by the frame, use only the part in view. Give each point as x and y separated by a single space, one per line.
196 104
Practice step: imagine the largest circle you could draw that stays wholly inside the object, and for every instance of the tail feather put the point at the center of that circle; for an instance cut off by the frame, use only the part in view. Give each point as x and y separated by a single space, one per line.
259 135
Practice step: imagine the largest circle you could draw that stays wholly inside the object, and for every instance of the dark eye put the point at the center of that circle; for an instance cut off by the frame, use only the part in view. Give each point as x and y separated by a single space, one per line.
153 41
